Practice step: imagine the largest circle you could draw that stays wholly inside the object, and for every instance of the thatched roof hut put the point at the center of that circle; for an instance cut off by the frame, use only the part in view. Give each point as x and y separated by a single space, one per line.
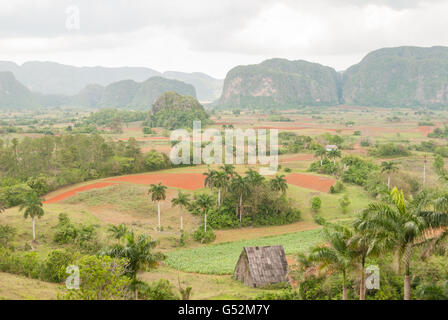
261 266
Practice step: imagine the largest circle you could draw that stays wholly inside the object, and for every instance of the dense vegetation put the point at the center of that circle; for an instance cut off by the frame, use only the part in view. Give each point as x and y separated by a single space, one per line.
47 163
174 111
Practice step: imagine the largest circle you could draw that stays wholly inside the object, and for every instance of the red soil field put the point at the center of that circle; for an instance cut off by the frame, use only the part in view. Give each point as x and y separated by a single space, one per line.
425 129
188 181
302 157
71 193
310 182
146 138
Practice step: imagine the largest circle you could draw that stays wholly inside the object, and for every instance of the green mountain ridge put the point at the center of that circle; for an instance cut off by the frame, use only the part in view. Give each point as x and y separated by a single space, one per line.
281 82
402 76
121 94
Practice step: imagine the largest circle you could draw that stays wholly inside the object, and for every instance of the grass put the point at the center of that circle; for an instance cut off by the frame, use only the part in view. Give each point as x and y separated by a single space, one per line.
222 258
14 287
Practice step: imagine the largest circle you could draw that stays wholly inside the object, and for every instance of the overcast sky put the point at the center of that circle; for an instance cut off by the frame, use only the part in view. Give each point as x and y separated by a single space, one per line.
213 36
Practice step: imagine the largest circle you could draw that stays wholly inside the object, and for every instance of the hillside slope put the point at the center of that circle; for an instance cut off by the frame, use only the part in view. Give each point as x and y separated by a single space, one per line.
403 76
280 82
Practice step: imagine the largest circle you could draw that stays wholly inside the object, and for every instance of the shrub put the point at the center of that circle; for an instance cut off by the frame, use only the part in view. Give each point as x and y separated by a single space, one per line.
204 237
337 188
390 150
158 290
7 234
56 264
316 204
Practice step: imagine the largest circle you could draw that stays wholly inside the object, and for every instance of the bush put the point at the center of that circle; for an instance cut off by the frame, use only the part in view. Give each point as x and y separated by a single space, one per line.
158 290
390 150
56 264
337 188
316 204
7 234
204 237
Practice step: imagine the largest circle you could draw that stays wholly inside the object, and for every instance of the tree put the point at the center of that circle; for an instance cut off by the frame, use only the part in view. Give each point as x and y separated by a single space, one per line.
364 245
240 186
158 193
333 154
32 206
209 178
229 170
279 184
389 167
321 153
101 278
220 182
205 201
181 201
344 202
118 232
316 203
253 177
137 252
400 228
336 255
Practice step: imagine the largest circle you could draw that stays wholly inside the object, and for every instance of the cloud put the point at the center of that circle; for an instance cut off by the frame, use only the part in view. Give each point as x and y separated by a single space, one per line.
213 35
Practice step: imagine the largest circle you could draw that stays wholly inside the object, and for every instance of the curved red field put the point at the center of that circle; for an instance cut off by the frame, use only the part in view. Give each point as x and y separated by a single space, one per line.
189 181
310 182
71 193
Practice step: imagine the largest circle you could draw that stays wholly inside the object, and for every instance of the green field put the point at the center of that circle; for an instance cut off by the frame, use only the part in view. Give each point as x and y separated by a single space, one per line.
222 258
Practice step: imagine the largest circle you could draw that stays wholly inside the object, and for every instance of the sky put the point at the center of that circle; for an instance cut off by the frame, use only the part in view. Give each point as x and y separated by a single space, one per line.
213 36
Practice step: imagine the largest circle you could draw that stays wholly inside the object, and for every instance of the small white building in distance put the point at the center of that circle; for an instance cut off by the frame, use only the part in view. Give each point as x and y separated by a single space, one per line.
331 147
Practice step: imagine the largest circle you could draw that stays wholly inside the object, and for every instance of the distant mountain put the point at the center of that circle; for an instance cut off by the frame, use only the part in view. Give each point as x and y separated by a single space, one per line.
403 76
13 94
55 78
90 96
280 82
130 94
207 88
59 79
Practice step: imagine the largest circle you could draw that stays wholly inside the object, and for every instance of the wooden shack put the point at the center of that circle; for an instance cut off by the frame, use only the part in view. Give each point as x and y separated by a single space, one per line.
261 266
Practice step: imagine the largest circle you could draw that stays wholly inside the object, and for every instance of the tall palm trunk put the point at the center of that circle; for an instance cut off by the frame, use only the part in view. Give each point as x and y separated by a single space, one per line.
321 161
181 219
219 197
205 221
34 229
407 284
362 284
158 214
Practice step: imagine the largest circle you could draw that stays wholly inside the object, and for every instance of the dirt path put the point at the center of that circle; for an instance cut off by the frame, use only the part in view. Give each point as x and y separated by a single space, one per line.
70 193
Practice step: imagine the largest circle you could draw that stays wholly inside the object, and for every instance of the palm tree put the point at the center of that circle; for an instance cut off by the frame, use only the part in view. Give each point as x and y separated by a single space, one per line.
181 201
400 227
253 177
388 167
229 170
336 255
119 232
209 178
138 253
240 186
205 201
158 193
364 245
333 154
279 184
32 205
220 182
321 153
